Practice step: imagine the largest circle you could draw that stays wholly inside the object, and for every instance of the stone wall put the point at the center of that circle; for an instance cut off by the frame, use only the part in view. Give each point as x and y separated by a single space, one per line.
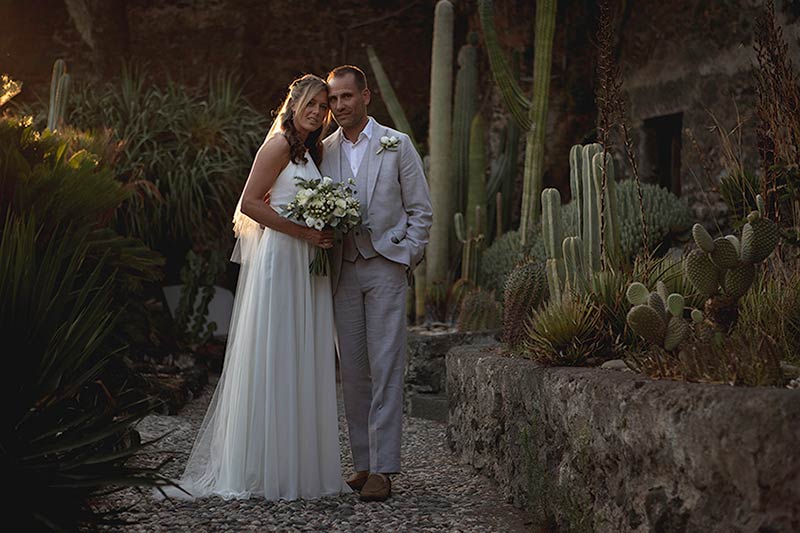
695 60
613 451
426 373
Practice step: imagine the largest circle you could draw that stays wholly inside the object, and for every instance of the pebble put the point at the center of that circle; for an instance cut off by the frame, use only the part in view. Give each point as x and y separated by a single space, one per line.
435 493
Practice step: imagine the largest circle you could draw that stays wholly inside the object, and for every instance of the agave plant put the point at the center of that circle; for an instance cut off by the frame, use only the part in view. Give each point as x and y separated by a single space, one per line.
563 332
66 430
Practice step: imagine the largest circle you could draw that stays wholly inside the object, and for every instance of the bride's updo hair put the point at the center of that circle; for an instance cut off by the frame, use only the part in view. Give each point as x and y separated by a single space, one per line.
301 91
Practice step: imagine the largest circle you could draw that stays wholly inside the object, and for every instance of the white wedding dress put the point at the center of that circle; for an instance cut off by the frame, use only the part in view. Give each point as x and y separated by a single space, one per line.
271 429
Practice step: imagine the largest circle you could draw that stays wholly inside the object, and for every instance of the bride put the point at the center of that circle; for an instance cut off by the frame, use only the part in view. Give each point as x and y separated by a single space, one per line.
271 429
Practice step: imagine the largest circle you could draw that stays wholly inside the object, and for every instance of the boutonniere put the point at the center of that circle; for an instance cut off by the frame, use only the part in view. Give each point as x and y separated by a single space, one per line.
388 143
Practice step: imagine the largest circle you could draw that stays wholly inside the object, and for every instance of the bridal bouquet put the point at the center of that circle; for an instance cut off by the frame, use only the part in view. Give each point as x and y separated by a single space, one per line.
321 202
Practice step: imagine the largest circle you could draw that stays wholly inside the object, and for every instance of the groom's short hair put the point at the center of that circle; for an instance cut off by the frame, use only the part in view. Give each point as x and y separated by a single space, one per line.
343 70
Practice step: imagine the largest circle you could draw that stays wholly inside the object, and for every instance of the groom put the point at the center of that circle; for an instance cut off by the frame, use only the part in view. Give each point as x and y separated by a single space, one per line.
369 275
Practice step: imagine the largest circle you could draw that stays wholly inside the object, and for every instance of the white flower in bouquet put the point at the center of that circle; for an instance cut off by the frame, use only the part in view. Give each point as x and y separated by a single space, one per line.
321 202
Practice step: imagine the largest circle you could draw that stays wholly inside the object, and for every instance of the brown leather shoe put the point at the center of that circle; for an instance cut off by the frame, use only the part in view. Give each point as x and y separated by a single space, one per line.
377 488
357 480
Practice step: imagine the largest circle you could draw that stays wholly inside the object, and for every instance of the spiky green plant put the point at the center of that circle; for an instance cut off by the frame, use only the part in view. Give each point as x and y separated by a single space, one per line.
563 332
479 311
499 259
524 291
440 140
530 115
775 289
64 278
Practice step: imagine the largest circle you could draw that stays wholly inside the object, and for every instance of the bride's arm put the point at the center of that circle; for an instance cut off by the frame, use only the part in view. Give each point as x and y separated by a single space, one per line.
270 160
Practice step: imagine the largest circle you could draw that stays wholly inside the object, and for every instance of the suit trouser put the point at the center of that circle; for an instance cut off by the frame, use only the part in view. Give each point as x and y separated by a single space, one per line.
370 313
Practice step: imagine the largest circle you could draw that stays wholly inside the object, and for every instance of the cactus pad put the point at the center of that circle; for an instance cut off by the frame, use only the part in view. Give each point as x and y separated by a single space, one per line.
702 238
637 293
759 238
647 323
725 254
655 301
702 273
736 281
676 332
675 304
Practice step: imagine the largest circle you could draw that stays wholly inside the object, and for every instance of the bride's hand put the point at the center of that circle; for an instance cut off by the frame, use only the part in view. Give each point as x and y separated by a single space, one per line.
323 239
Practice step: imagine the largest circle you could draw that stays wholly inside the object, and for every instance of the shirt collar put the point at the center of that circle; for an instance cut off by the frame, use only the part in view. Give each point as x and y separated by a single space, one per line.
366 132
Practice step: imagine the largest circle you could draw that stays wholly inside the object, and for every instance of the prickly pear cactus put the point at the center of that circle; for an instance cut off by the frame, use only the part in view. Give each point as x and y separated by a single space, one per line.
723 269
656 319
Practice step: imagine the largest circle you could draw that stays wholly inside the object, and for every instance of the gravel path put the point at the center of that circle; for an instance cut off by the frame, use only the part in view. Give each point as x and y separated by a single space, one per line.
435 493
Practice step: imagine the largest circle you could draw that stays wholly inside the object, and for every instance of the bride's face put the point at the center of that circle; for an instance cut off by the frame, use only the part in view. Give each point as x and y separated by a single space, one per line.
312 116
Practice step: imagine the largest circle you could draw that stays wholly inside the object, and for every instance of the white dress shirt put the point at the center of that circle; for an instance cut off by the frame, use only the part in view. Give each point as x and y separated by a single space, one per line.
355 151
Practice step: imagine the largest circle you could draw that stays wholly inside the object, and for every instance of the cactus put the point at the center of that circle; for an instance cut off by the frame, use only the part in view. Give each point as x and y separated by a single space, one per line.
472 243
440 139
479 311
524 291
551 232
759 238
464 107
530 115
574 264
476 191
389 96
659 320
723 269
59 94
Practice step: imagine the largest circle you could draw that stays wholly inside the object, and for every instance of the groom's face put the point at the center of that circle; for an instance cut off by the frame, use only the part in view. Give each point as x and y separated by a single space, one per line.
347 102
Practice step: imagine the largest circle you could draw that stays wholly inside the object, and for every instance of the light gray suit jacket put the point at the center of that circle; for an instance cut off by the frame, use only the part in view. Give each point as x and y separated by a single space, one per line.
398 206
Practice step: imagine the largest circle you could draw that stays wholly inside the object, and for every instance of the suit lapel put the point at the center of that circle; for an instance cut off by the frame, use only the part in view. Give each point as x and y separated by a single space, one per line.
374 160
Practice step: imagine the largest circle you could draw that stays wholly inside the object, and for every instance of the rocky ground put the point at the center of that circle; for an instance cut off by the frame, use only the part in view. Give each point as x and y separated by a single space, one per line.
435 493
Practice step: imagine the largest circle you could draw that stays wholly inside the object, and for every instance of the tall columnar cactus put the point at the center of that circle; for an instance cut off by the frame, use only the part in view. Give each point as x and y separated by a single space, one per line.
552 237
472 244
530 115
464 106
476 189
501 180
440 140
389 96
658 317
59 94
524 291
723 269
572 260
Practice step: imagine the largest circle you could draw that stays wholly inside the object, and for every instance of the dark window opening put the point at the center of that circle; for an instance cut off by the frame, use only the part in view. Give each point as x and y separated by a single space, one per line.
663 150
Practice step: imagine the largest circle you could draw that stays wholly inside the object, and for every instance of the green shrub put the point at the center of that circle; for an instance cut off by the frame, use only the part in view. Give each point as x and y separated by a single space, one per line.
185 151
